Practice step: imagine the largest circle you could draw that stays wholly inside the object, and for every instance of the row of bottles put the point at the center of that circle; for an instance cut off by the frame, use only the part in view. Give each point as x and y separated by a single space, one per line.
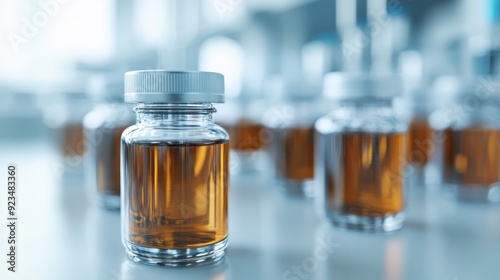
285 131
366 153
349 148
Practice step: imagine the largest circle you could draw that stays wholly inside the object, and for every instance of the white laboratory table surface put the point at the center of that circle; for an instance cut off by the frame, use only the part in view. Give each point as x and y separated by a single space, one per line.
61 235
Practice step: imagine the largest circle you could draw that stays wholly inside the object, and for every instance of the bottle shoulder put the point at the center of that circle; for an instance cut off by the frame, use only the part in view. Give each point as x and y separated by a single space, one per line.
370 121
197 135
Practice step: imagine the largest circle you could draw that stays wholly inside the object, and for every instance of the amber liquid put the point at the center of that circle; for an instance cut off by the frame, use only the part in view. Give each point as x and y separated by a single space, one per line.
294 153
72 140
472 156
177 194
107 153
246 135
420 142
364 173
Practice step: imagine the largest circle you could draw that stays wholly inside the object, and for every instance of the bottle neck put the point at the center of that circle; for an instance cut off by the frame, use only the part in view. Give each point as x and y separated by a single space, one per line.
175 115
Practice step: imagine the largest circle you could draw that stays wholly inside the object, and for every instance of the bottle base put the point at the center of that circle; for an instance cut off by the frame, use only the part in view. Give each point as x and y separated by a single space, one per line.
110 202
386 223
474 193
176 257
297 188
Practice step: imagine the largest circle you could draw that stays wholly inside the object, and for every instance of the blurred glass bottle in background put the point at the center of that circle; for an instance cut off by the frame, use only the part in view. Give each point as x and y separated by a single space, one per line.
422 142
361 153
471 143
103 129
241 119
290 124
64 118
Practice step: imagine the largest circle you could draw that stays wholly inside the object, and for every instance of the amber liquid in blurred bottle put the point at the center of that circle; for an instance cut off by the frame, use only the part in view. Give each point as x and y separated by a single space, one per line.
472 156
246 136
72 140
366 176
420 142
108 160
178 194
294 153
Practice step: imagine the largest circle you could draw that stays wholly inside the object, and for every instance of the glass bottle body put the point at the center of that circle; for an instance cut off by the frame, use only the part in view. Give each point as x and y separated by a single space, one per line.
471 155
360 166
423 151
292 144
420 133
104 126
175 185
241 119
65 123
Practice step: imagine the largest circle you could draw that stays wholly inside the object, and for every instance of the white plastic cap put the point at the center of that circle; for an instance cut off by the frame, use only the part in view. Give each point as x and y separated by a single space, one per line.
157 86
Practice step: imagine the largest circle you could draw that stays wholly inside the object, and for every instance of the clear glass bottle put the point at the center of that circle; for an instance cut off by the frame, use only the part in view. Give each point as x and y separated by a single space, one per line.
104 126
361 153
64 118
241 119
174 169
292 141
423 143
471 143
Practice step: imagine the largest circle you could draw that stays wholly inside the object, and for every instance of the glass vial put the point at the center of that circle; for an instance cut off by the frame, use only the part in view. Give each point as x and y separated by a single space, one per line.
292 140
241 119
420 134
174 169
64 118
361 153
104 126
423 144
471 146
